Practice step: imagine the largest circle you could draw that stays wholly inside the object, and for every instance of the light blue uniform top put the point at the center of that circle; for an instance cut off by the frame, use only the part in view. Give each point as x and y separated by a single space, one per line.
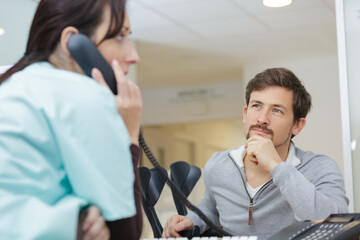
63 146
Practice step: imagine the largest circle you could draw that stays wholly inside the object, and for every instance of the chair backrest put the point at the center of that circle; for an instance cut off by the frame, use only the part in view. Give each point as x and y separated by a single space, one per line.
185 177
152 184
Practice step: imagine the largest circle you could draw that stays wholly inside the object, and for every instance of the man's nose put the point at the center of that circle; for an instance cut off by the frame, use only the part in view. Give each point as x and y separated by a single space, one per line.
263 118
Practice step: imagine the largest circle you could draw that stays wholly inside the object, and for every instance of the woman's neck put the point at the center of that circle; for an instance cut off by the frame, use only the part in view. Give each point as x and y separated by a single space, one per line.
59 59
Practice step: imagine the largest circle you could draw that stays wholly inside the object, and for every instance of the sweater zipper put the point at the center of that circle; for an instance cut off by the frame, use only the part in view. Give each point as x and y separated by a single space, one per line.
250 209
252 199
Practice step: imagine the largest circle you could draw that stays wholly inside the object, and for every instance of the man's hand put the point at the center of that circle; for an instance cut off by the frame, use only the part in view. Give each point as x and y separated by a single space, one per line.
93 227
261 151
176 224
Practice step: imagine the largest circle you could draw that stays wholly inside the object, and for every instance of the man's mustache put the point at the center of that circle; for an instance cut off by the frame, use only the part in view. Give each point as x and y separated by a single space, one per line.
262 127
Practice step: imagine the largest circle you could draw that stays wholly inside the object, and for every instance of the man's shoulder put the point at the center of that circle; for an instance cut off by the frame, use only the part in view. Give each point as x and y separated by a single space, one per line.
308 157
218 159
221 155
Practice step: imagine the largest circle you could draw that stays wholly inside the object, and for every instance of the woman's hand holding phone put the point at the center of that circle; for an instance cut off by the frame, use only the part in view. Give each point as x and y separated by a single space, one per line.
128 99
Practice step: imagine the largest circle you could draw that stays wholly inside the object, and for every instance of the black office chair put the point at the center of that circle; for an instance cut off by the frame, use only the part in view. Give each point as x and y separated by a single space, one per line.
152 184
185 178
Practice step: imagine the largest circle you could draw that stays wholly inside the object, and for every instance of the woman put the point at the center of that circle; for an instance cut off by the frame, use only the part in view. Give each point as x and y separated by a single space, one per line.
66 142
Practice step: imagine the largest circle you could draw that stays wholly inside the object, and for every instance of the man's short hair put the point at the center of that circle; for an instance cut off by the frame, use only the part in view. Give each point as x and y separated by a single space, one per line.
284 78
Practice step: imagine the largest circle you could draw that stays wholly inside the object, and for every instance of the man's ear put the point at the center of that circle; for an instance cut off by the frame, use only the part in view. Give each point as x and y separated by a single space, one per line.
299 125
244 113
65 36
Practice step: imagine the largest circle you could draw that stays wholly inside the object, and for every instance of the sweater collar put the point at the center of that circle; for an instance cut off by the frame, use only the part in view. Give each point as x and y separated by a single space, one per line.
239 153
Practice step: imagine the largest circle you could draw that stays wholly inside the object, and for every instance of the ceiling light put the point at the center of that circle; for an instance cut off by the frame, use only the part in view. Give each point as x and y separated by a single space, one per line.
276 3
2 31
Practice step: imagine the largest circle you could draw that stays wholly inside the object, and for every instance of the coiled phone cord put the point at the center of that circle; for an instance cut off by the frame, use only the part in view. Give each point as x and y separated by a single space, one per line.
177 191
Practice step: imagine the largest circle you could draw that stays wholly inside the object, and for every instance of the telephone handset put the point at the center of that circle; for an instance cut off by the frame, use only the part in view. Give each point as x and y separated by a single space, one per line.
88 57
335 227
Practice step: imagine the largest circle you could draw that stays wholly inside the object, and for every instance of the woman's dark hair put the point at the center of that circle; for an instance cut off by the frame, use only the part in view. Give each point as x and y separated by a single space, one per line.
53 16
282 77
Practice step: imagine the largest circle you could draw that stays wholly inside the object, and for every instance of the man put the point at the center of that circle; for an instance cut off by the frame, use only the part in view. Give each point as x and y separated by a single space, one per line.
268 183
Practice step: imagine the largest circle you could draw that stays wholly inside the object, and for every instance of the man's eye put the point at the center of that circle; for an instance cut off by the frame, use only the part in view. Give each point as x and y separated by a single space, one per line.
277 111
256 106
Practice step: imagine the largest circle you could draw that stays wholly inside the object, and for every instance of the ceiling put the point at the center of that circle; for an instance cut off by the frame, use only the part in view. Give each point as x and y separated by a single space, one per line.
194 36
197 36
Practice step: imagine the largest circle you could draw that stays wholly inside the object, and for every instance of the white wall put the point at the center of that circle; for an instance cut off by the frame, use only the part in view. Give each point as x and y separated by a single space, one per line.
322 133
348 24
17 26
197 102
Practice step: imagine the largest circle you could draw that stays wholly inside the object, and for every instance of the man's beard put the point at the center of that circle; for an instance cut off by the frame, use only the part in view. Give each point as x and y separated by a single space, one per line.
268 131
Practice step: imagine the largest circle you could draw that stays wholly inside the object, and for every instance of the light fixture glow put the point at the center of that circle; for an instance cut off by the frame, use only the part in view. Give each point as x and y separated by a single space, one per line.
277 3
353 145
2 31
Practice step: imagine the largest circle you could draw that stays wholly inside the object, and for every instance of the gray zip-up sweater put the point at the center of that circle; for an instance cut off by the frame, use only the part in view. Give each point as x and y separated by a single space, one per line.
309 188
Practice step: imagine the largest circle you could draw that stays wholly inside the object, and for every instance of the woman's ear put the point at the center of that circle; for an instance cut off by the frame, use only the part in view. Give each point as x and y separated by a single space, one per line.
299 125
64 38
